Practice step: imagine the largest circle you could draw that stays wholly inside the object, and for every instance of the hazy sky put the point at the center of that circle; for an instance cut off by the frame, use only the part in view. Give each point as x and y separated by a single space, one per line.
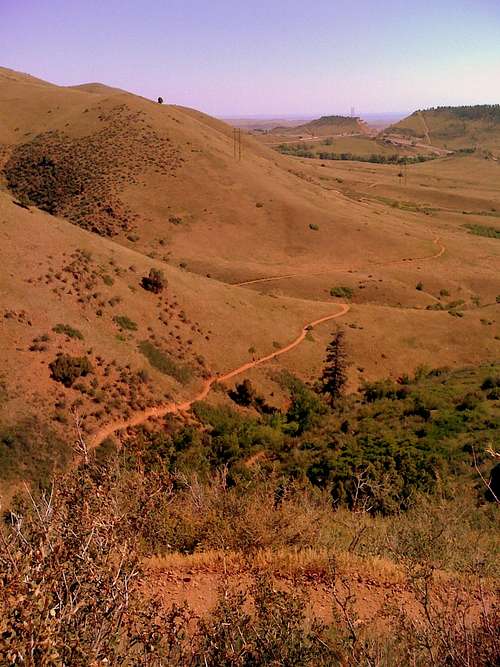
229 57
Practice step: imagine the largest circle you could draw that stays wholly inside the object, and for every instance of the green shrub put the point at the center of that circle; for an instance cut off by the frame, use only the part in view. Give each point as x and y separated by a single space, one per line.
66 369
31 451
342 291
452 305
490 382
243 393
68 331
108 280
164 363
483 230
125 322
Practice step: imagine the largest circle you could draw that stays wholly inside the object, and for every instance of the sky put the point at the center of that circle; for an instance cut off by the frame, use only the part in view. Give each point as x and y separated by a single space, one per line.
268 58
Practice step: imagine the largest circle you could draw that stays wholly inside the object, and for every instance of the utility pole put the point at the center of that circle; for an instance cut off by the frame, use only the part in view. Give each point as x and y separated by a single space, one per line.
237 143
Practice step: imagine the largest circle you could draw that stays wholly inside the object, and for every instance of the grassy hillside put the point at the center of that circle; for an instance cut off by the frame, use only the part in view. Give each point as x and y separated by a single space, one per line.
177 486
455 128
84 296
148 186
163 180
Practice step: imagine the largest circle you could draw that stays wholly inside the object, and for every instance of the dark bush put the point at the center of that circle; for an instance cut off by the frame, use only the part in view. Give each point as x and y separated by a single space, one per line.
243 393
342 291
155 282
490 382
66 369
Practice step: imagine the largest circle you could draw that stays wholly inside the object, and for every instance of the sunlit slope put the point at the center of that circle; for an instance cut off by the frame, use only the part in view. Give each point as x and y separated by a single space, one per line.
454 127
165 180
82 295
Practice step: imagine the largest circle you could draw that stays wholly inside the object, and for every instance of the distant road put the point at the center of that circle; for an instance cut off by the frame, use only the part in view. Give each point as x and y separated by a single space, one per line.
314 138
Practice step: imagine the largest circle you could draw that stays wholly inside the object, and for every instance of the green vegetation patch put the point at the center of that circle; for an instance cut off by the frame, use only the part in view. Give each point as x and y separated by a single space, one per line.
488 112
29 450
483 230
125 322
108 280
380 448
306 151
66 369
342 292
164 363
67 330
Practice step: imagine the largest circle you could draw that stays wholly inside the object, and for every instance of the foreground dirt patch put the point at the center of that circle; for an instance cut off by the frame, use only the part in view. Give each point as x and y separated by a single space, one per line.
372 592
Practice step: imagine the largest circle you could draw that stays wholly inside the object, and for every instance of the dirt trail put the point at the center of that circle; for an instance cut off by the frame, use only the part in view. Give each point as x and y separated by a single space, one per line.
373 590
426 128
301 138
436 240
172 408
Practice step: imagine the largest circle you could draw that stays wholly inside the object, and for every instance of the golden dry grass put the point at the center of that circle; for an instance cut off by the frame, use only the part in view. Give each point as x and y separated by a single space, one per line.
302 225
281 562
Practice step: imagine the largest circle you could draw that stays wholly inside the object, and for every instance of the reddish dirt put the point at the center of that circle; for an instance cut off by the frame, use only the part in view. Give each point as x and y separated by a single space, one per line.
200 591
374 596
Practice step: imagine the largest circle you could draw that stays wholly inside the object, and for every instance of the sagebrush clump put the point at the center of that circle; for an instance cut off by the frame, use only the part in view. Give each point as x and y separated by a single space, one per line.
66 369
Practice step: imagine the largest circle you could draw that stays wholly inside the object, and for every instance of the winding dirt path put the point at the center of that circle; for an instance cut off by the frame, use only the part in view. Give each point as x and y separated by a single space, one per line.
172 408
436 241
426 127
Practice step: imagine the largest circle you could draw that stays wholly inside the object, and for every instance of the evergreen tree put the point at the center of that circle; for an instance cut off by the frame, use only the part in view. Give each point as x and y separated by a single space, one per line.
334 376
155 282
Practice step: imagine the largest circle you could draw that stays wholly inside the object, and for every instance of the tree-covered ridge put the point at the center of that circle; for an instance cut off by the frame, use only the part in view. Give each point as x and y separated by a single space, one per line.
348 120
489 112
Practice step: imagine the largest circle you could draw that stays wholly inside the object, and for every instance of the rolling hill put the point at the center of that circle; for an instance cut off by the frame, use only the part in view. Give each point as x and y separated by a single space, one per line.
455 128
325 126
146 271
98 187
164 180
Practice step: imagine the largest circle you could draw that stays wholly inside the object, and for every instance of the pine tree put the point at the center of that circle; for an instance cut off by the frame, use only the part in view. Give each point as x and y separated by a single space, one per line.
334 376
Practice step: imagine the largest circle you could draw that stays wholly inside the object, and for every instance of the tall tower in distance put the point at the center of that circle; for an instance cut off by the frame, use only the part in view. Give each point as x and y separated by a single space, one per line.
353 110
